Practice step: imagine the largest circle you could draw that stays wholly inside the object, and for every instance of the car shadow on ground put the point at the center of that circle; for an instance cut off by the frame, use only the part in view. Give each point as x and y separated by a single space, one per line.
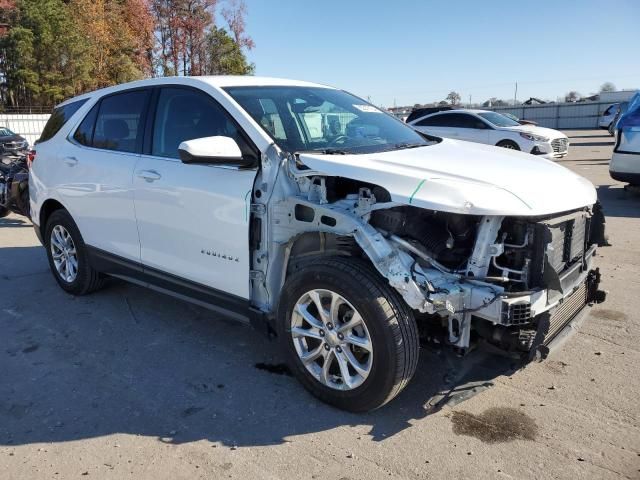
618 202
592 144
14 222
130 360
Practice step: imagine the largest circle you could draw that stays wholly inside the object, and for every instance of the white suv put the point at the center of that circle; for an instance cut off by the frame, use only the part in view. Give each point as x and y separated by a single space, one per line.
492 128
318 218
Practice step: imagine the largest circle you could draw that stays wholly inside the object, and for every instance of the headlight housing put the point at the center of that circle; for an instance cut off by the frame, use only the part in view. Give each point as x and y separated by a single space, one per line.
533 138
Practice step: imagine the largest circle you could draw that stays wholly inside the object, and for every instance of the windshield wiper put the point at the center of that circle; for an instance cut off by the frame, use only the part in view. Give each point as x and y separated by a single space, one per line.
402 146
330 151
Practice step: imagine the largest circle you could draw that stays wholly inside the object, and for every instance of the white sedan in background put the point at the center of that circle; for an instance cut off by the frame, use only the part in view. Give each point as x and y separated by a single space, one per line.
484 126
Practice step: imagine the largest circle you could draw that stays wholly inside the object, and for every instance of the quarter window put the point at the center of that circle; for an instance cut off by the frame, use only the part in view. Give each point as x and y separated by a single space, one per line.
118 123
58 118
184 114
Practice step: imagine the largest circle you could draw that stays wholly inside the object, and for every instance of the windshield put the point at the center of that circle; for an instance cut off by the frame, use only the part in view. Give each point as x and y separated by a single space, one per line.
498 119
324 120
5 132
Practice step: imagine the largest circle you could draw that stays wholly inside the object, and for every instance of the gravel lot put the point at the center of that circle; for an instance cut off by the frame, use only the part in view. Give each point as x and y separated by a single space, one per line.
128 383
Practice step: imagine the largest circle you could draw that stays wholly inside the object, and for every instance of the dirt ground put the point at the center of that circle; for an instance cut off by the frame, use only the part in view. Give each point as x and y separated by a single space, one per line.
128 383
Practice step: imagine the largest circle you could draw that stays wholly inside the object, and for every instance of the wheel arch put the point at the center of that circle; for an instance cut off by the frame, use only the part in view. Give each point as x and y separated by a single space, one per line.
48 207
510 141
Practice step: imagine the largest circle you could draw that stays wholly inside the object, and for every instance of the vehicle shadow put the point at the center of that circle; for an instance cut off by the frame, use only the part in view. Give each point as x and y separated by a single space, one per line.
592 144
14 221
590 136
130 360
617 202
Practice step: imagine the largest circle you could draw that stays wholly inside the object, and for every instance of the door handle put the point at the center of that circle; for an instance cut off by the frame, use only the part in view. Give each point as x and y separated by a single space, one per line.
71 161
149 175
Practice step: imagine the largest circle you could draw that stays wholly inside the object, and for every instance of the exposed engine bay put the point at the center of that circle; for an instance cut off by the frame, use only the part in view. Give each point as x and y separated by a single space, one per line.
514 282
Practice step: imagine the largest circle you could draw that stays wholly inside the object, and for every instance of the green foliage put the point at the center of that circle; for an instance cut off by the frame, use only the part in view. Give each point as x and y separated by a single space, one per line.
42 55
56 49
224 56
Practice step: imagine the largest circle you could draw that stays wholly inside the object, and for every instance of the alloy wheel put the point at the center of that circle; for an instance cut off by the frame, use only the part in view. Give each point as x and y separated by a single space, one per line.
64 254
331 339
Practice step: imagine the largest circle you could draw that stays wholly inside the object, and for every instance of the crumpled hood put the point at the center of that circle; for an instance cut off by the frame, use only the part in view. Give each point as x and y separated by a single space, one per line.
462 177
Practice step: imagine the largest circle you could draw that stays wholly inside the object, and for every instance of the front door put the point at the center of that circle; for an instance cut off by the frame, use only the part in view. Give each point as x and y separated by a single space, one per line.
193 220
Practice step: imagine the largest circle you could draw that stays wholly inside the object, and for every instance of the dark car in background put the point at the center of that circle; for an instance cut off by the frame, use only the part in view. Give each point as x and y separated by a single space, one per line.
424 111
11 143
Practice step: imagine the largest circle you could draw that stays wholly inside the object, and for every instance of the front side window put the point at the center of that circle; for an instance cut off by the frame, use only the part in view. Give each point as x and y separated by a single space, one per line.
5 132
185 114
325 120
119 121
498 119
58 118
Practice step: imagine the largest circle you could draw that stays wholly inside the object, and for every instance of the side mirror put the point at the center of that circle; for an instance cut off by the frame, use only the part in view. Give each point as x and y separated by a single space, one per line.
213 150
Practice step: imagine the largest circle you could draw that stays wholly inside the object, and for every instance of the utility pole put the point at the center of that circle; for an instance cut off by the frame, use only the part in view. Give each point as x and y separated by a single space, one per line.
469 101
515 95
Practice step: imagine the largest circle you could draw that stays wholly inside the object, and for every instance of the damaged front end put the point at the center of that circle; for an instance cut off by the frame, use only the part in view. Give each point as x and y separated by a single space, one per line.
515 282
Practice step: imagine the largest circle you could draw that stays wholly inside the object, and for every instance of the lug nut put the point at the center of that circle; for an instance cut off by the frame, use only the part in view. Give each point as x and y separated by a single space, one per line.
326 346
322 333
330 326
340 336
338 349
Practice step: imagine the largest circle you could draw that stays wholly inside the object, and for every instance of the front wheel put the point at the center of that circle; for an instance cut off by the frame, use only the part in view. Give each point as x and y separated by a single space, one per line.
510 144
347 336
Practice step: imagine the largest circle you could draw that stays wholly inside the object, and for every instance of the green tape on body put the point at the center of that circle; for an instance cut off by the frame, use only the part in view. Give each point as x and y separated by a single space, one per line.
416 190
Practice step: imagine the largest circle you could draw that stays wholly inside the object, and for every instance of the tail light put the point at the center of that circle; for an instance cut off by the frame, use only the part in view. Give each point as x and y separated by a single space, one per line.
31 157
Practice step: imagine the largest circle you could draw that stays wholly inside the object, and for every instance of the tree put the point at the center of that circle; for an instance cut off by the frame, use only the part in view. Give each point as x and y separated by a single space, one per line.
454 98
234 16
607 87
572 96
224 56
117 37
42 56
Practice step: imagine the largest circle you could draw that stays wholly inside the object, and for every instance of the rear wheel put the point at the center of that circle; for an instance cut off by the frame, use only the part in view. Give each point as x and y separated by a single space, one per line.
510 144
346 335
67 254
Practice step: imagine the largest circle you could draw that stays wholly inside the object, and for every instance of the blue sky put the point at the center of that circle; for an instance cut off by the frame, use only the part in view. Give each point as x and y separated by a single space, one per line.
418 51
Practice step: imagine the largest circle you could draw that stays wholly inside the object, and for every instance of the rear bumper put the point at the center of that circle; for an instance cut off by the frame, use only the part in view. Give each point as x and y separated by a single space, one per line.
625 167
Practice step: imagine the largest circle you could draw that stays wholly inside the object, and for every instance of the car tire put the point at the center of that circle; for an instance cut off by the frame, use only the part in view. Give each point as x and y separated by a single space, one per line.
387 327
510 144
65 247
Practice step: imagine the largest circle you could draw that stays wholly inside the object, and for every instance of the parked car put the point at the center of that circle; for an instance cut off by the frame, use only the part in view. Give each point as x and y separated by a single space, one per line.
625 161
484 126
622 109
519 120
606 119
315 216
423 111
12 144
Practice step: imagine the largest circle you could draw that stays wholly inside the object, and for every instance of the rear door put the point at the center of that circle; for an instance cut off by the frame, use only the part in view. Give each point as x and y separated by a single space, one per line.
97 168
193 219
437 125
469 127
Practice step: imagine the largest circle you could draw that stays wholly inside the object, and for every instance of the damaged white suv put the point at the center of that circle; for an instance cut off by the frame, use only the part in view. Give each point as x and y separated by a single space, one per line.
315 216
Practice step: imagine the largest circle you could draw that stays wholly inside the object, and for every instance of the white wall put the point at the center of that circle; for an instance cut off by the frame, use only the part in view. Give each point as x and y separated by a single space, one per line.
30 126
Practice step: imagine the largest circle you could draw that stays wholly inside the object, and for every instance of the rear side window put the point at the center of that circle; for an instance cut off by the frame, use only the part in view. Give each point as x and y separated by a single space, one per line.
435 121
118 123
58 118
